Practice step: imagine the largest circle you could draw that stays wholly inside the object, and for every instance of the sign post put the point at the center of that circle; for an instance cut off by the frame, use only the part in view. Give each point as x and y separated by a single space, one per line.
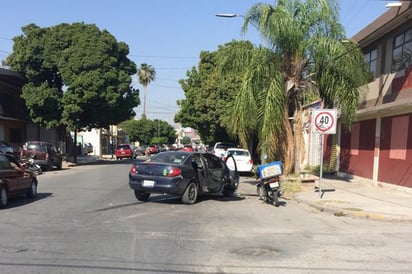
323 122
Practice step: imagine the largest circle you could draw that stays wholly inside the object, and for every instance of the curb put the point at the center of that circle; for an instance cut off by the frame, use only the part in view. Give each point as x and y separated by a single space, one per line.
341 212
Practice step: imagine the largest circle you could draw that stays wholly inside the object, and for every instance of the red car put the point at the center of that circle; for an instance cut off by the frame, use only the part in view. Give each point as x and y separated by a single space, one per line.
15 180
153 149
124 151
188 148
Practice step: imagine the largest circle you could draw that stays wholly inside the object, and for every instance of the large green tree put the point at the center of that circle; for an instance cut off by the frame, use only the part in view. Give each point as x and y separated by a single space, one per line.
304 55
146 74
145 131
77 76
209 95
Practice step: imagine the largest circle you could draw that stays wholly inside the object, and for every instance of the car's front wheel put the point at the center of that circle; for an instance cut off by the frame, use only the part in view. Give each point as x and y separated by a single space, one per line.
190 195
32 191
141 196
3 197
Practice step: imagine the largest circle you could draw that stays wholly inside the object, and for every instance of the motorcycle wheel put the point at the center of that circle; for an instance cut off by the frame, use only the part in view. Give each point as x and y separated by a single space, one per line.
275 198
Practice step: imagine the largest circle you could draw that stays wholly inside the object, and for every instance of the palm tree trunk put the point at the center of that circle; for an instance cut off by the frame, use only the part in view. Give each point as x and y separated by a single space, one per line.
288 148
296 146
144 101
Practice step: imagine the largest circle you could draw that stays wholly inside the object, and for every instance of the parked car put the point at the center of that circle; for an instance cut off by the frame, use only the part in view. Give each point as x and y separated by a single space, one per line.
219 148
9 149
14 180
87 148
185 174
242 157
43 153
188 148
153 149
124 151
139 151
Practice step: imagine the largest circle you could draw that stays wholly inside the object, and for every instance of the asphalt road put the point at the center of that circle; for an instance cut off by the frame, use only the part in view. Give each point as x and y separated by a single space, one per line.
87 220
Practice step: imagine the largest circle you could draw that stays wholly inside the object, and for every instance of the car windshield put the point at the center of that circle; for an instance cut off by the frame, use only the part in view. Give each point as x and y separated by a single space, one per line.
224 145
238 152
123 147
5 147
36 147
169 158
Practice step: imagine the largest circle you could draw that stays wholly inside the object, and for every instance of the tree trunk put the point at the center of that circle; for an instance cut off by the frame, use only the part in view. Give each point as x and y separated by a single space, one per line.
299 143
75 146
279 145
288 147
144 101
296 147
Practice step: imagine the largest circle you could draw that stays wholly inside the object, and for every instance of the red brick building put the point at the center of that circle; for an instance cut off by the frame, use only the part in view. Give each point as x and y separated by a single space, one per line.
379 145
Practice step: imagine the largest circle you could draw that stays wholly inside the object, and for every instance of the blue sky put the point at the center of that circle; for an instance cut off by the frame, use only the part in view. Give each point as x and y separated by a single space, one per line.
167 34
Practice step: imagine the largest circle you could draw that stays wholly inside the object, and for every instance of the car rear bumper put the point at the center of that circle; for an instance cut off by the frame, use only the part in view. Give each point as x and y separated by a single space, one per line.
161 185
41 162
123 156
244 168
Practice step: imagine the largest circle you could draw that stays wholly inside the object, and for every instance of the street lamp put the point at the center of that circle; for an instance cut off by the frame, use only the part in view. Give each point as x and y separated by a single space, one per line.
395 4
229 15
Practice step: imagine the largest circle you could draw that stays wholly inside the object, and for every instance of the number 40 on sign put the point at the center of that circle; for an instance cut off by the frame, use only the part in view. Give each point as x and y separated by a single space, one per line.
324 121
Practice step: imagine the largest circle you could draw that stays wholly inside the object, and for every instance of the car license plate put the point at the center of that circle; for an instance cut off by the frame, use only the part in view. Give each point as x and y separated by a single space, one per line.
274 185
148 183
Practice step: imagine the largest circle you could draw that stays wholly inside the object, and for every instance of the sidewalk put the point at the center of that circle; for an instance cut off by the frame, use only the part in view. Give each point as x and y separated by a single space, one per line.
86 160
358 198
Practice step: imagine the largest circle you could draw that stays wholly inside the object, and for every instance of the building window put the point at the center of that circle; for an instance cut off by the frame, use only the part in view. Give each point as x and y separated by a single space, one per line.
402 50
371 60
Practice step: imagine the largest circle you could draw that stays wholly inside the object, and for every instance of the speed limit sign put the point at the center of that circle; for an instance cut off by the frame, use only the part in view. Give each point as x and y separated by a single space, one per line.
324 121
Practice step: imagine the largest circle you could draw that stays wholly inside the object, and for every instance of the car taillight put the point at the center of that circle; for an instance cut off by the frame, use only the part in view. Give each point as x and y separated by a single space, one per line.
251 161
133 169
174 171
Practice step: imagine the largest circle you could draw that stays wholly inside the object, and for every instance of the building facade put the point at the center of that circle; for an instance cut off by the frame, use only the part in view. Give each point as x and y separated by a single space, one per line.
378 147
12 123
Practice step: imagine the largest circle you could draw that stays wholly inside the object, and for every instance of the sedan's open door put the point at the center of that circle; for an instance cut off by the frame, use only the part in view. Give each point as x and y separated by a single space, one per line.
233 173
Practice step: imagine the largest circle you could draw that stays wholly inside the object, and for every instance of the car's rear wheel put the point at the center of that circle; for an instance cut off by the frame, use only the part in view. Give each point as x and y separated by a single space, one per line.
49 166
60 164
141 196
190 195
3 197
228 192
32 192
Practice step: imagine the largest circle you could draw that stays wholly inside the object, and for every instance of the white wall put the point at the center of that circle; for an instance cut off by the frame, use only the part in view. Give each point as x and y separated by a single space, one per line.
92 137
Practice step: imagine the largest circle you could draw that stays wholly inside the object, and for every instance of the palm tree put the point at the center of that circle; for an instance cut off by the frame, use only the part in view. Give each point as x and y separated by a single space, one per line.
146 74
304 57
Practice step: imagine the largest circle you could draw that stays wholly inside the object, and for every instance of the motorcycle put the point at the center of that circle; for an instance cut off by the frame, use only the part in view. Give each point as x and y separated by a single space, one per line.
30 166
268 188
